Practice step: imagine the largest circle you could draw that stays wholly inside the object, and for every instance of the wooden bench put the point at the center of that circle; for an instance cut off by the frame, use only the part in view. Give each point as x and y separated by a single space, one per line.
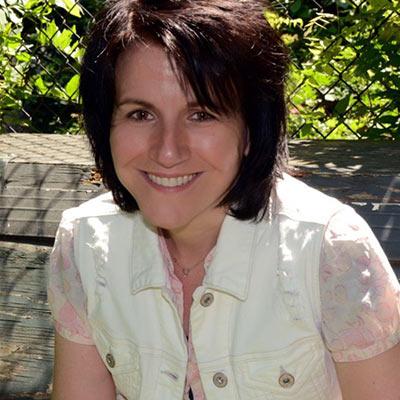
366 175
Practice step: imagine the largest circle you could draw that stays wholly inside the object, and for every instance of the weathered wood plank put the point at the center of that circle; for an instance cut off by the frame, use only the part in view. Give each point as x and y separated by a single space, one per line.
53 176
42 148
338 157
35 195
26 332
376 199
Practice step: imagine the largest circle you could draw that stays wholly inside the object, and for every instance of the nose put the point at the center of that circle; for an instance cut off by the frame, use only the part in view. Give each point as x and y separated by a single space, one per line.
170 147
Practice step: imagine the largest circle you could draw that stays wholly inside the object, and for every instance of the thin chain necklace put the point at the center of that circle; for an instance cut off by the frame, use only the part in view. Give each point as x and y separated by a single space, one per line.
186 271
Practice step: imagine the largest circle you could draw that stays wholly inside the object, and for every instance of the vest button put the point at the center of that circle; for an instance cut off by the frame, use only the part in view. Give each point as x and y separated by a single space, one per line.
286 380
110 360
207 299
220 380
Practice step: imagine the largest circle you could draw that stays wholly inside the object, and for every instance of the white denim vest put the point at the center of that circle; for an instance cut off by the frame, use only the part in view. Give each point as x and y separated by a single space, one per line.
255 320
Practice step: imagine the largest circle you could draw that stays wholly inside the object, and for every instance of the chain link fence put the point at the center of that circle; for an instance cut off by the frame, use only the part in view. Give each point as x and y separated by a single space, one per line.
41 48
346 70
344 82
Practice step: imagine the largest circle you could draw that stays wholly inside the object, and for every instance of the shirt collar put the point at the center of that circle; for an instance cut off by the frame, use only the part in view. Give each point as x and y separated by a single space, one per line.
230 268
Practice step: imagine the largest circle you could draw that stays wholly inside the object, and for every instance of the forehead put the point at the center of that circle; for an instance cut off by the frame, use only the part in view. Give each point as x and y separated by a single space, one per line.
144 56
147 64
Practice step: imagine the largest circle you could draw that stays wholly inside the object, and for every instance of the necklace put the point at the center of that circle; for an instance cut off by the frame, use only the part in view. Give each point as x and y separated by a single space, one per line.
186 271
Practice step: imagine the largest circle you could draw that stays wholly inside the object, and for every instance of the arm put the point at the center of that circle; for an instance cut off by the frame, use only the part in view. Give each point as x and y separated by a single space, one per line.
360 304
376 378
79 373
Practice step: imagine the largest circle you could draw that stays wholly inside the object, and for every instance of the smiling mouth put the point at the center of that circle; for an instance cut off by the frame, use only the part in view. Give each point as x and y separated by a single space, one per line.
171 182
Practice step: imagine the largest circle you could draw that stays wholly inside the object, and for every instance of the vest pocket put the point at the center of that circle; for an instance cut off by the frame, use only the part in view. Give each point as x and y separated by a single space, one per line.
294 372
122 359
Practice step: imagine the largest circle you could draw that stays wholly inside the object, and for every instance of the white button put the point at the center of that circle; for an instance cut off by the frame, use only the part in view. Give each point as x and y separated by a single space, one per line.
207 299
286 380
220 380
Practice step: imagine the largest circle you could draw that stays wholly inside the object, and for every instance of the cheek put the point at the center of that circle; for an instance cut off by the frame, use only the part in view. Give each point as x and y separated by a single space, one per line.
223 152
124 145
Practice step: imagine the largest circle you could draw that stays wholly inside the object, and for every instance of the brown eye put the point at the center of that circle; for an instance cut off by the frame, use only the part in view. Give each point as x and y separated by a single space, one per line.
202 116
140 115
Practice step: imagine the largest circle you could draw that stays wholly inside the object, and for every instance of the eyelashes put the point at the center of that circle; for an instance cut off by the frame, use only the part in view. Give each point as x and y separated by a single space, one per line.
202 116
142 115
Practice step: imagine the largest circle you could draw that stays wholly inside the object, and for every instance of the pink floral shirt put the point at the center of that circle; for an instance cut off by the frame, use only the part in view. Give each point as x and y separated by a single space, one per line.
360 295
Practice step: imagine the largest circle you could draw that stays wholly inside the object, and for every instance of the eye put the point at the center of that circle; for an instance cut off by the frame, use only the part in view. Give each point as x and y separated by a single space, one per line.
140 115
201 116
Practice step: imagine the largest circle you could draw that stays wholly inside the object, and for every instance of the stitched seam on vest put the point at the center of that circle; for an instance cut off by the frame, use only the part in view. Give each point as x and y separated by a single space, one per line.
317 303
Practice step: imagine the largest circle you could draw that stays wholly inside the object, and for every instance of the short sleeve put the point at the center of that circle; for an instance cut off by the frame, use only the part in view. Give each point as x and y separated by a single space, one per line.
66 297
360 294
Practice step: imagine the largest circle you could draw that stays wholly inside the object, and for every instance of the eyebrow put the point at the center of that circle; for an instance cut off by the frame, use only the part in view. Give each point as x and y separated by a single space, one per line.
146 104
131 100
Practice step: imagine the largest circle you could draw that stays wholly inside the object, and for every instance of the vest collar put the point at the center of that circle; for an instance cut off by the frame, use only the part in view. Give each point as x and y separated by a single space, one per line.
148 269
229 271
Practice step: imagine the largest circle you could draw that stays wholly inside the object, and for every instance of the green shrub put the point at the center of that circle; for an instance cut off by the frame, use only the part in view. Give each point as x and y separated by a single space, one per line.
344 81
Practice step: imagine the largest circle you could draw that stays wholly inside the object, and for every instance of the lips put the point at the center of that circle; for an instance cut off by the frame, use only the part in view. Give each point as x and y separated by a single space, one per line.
171 182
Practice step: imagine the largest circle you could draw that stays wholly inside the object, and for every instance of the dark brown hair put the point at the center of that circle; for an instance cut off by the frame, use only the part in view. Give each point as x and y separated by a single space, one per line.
231 58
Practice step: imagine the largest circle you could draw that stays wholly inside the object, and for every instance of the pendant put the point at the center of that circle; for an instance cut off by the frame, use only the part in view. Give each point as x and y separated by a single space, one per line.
186 271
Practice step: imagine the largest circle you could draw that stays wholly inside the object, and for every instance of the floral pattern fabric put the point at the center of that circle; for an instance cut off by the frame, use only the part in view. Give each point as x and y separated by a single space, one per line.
64 289
360 294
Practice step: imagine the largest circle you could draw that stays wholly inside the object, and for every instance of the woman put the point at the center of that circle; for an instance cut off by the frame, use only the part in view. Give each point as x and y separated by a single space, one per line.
209 273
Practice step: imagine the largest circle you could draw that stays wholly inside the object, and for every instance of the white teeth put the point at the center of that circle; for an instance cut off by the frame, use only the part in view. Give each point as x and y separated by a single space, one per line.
171 182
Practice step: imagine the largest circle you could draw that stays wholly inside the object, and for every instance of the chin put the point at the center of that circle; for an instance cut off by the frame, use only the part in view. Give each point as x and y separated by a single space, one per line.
166 221
167 225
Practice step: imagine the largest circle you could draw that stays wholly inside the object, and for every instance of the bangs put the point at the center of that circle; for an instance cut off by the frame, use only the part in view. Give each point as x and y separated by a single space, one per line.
209 75
201 65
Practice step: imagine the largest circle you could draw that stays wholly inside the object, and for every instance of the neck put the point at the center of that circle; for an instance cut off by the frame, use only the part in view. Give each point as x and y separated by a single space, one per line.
190 242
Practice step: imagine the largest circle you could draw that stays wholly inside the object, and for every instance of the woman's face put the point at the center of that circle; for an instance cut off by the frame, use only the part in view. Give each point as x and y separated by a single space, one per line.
175 158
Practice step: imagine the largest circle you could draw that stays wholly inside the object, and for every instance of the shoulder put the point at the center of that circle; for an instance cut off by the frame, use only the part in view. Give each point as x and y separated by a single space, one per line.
360 293
350 246
102 205
100 220
299 201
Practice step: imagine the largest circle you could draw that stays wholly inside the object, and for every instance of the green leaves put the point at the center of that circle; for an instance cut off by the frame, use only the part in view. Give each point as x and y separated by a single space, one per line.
39 83
346 79
295 7
39 61
342 105
71 6
72 87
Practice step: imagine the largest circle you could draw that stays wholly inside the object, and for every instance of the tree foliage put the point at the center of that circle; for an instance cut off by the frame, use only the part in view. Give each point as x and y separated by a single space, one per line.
344 81
40 51
345 77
